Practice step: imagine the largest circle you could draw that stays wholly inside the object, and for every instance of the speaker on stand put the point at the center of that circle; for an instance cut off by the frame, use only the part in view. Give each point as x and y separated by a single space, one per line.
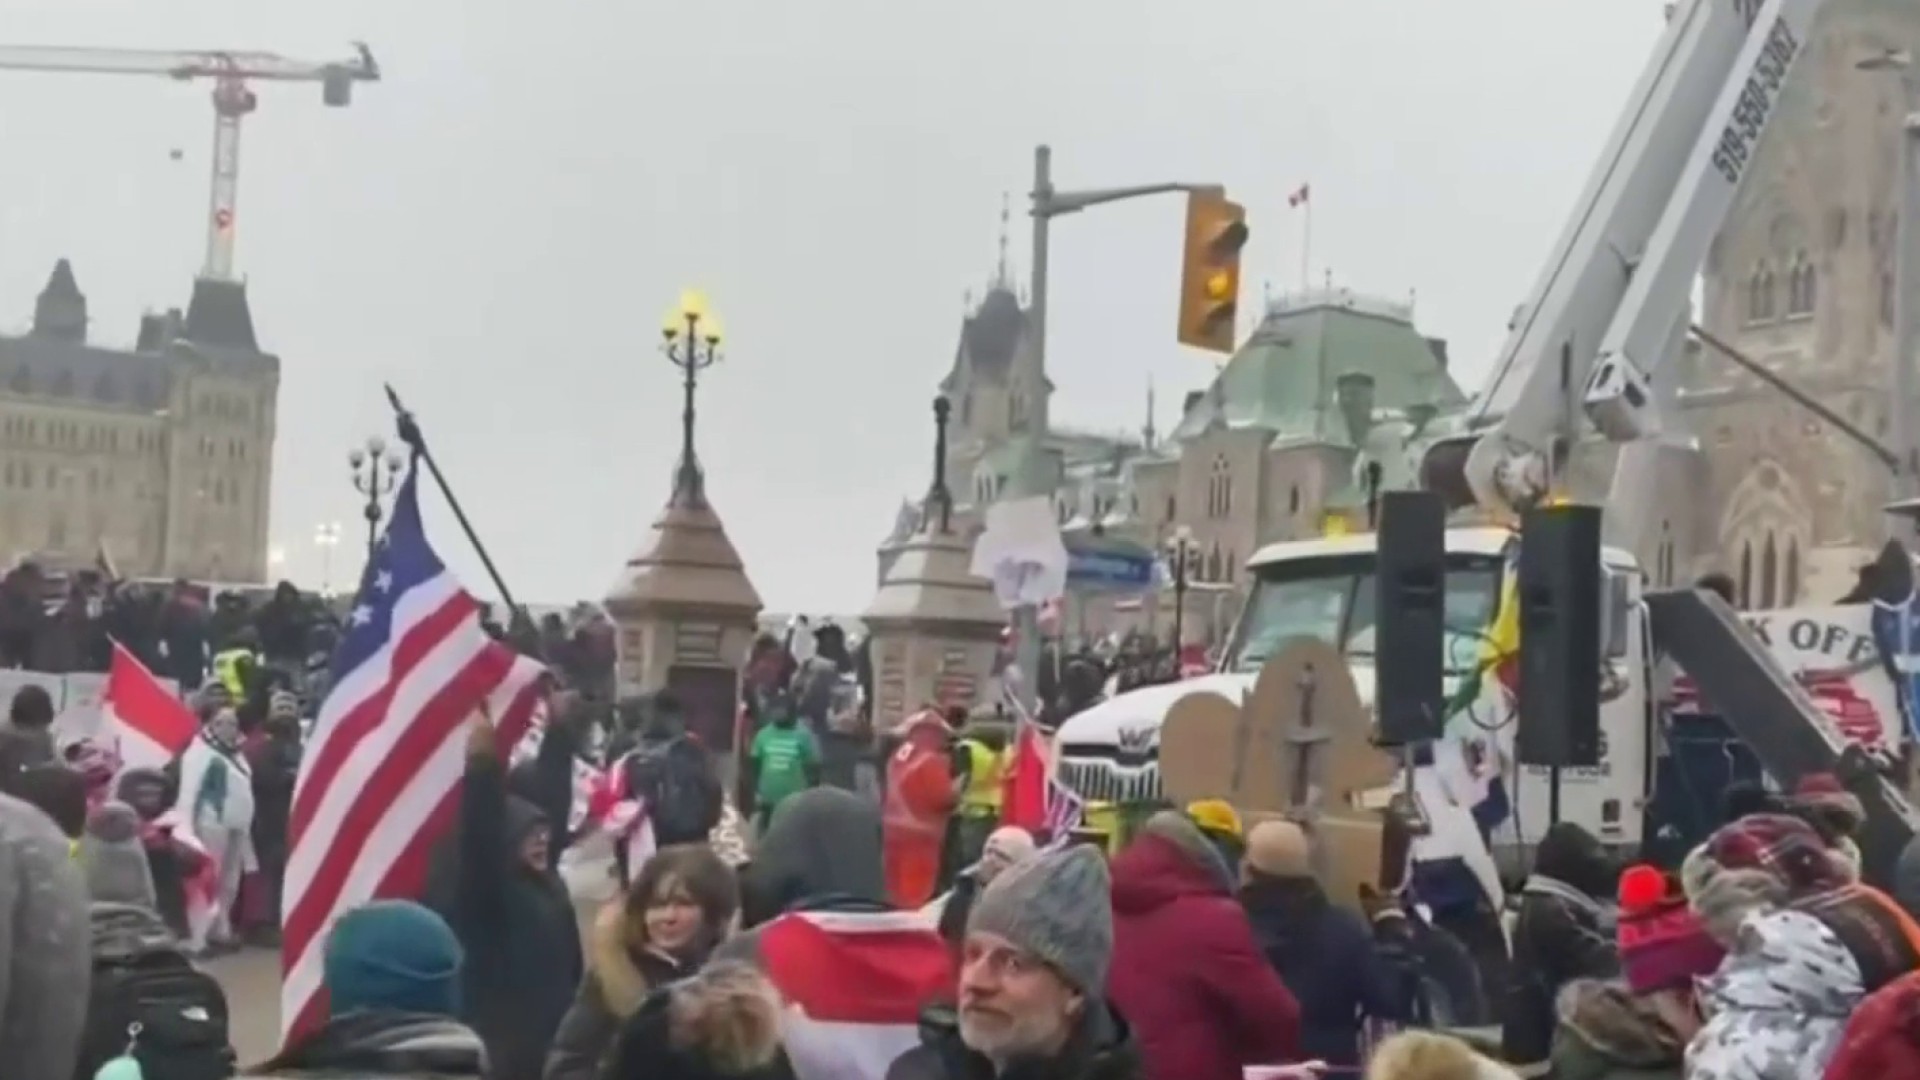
1409 662
1560 589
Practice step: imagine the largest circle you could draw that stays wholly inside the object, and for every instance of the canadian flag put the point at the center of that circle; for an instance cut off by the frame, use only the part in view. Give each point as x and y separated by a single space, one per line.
148 723
854 984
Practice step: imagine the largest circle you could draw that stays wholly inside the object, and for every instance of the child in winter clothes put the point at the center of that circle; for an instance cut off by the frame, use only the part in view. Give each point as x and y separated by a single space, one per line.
1777 1005
1638 1027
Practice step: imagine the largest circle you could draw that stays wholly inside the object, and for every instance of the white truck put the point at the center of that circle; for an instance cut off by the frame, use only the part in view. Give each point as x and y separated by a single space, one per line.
1325 589
1612 304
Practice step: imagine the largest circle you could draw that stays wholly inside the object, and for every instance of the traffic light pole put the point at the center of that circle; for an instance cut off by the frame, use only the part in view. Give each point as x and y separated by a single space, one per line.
1049 203
1906 315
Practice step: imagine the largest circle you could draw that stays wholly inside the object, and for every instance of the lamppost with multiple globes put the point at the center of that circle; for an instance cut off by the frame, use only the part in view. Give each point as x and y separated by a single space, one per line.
691 343
375 474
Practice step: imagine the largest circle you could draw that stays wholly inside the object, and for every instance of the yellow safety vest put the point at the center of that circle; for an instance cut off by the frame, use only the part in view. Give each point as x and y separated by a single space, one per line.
226 668
982 796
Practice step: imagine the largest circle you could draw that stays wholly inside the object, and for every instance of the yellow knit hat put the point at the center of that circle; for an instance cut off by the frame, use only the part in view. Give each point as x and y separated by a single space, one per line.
1214 815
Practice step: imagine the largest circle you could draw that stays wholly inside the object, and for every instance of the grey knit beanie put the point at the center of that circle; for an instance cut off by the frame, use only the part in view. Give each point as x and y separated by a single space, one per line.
1058 907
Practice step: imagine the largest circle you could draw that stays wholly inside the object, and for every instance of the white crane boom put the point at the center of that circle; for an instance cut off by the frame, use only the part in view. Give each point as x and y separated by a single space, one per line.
231 71
1614 298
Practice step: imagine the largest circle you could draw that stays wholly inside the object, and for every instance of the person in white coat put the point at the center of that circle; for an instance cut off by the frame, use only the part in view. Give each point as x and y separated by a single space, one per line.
216 800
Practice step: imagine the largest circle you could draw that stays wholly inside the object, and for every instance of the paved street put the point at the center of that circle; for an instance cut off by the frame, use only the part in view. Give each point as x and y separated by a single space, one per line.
252 977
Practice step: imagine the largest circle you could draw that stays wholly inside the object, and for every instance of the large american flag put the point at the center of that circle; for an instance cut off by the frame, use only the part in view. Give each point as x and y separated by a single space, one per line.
379 782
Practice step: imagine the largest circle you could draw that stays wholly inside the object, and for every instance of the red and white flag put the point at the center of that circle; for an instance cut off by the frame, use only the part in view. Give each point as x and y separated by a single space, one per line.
379 782
1300 196
148 724
854 985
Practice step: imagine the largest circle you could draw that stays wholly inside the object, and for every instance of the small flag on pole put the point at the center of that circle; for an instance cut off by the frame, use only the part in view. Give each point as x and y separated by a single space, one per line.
1300 196
148 723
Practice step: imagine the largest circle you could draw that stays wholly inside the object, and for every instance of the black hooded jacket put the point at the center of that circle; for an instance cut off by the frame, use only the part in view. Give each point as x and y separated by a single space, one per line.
383 1044
516 924
1560 936
820 850
1101 1048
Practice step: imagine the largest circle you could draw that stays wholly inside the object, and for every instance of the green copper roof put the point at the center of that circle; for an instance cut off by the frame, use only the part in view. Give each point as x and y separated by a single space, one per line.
1283 379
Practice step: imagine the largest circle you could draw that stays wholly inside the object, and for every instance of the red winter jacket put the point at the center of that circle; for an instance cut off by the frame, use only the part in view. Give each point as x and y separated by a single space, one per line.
1882 1040
1187 976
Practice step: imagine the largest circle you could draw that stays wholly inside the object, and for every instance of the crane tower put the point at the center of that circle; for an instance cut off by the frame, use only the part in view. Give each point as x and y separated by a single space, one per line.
233 99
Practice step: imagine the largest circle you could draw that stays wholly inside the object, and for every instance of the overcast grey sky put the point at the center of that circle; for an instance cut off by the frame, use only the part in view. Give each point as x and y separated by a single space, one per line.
498 227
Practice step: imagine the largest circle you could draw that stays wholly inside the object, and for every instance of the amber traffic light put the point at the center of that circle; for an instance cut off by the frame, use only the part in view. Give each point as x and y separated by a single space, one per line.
1210 279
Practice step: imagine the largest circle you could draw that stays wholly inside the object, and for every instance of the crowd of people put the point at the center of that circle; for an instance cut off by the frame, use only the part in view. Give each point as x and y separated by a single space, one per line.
763 933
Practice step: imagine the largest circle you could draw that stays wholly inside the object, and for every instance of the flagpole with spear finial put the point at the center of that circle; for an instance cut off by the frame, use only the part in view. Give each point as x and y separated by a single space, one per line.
1302 199
409 429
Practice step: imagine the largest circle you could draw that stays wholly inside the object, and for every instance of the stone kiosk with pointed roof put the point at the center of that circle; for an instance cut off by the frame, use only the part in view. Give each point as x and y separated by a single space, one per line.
687 612
934 625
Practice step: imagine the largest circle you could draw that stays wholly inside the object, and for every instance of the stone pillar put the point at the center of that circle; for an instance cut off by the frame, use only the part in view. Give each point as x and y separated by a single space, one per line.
687 613
933 625
935 628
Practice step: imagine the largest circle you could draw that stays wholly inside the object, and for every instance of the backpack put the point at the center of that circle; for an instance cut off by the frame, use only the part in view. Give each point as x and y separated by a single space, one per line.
682 794
170 1016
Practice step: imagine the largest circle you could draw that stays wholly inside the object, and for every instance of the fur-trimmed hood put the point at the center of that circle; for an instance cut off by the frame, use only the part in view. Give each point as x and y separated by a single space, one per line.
722 1022
622 964
1606 1020
1427 1055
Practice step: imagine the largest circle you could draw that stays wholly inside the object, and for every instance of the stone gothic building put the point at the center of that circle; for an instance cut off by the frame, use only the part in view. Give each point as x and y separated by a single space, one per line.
1801 280
1260 455
160 456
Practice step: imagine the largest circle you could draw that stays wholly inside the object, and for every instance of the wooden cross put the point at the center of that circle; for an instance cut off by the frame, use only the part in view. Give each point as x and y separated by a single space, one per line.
1298 746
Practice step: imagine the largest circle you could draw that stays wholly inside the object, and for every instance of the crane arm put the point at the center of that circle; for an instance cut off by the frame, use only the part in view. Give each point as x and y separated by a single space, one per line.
210 63
1614 294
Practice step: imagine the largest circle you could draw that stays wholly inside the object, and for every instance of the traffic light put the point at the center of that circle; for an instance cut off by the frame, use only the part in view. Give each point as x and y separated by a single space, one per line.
1210 278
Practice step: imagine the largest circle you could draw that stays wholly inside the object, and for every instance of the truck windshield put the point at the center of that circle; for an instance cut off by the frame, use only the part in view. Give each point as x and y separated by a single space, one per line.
1332 598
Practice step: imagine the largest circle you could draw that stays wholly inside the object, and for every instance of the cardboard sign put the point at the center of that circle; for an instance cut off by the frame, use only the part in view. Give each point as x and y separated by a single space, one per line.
1298 746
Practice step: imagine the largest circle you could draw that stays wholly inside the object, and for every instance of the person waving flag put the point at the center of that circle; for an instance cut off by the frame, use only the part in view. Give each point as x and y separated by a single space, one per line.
379 781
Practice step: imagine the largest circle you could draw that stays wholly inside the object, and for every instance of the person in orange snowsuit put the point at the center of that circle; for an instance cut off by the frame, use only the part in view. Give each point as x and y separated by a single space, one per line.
918 800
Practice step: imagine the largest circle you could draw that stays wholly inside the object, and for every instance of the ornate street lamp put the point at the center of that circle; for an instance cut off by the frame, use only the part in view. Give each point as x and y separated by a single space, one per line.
375 474
691 334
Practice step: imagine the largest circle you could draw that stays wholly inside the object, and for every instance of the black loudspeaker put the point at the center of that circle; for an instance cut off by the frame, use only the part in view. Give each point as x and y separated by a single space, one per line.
1409 664
1560 590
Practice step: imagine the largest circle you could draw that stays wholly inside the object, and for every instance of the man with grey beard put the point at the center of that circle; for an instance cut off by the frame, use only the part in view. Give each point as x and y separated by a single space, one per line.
1032 985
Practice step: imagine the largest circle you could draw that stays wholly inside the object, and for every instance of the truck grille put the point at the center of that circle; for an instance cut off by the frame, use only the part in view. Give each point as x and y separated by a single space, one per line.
1101 780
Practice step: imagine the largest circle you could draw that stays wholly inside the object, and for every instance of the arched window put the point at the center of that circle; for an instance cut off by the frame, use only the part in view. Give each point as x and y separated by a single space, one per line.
1016 411
1760 295
1803 286
1769 575
1790 586
1293 499
1172 507
1213 564
1746 575
1219 489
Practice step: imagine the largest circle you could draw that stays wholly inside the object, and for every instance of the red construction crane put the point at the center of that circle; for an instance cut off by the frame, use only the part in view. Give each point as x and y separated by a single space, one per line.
232 99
